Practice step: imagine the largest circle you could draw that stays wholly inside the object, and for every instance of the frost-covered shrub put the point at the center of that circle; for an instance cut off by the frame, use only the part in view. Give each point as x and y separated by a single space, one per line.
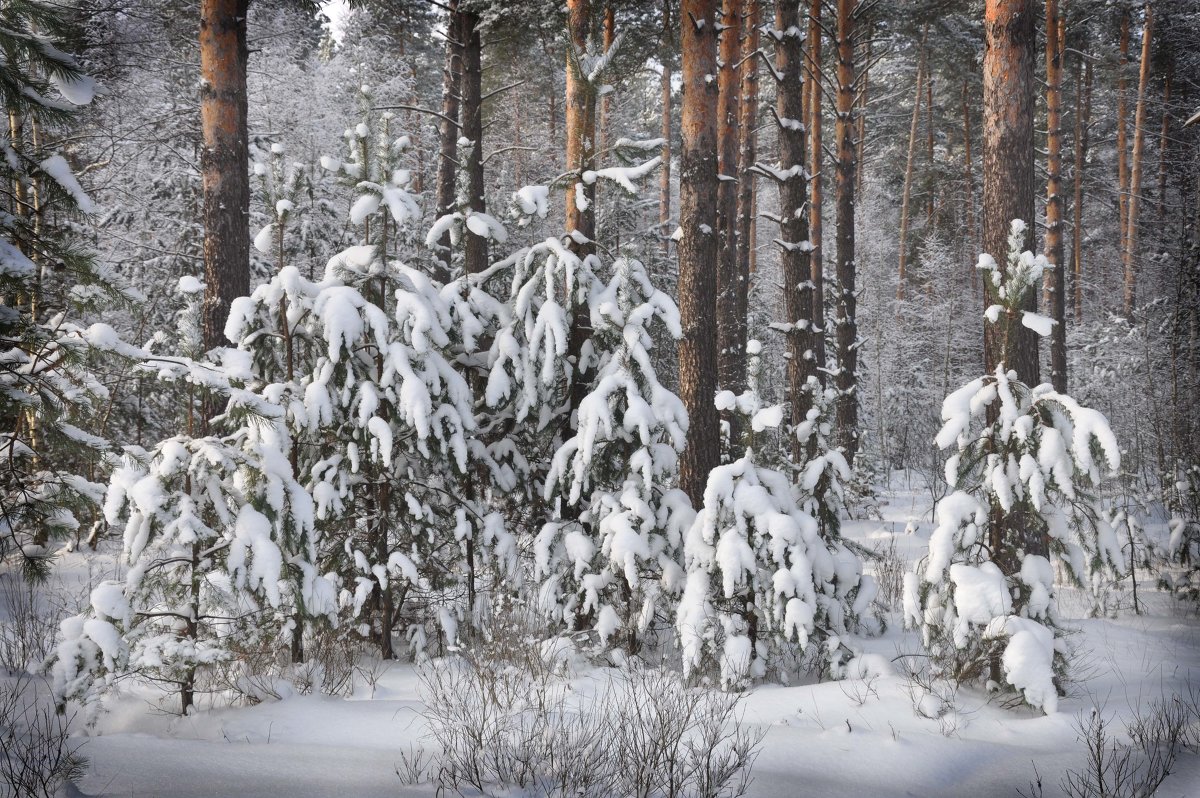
1025 466
613 559
502 727
218 535
38 756
761 578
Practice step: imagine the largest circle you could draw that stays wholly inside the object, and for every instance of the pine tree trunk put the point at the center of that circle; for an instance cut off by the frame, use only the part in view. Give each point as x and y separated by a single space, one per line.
793 221
1055 283
1130 258
969 185
224 163
731 361
1083 112
847 327
816 187
1008 175
475 250
448 133
698 245
1163 141
580 199
751 11
1008 194
664 171
931 180
906 196
1123 131
861 136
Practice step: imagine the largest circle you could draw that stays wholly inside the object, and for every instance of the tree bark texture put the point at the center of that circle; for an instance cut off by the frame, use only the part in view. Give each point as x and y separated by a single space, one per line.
731 359
1133 205
816 187
1055 283
906 195
747 154
448 133
1008 176
793 217
1083 112
224 161
847 303
475 254
698 245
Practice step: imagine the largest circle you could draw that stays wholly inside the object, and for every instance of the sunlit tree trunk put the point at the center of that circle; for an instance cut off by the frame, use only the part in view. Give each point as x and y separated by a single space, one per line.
664 171
698 245
1130 258
1008 175
1055 284
224 161
747 154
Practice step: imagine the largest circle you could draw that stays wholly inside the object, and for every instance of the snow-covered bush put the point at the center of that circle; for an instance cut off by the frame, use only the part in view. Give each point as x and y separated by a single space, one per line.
761 579
610 561
218 535
1025 466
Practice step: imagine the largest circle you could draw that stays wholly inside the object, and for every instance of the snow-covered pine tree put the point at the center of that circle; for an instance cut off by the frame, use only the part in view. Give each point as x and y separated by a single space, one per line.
218 536
1026 465
611 562
50 396
761 581
381 406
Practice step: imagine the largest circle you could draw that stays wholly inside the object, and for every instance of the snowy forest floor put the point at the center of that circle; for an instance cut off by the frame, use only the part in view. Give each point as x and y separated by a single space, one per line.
858 737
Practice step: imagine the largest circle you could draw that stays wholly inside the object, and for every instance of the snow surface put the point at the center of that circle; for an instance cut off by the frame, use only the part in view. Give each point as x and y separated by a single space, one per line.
857 737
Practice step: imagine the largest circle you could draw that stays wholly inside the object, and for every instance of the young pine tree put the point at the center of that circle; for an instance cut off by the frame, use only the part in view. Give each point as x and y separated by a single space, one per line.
1026 465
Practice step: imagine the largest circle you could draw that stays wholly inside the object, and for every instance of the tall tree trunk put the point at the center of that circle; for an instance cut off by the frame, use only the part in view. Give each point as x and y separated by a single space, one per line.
1008 175
1083 112
581 127
1130 259
1163 141
1008 194
448 133
475 251
698 245
816 187
224 161
793 221
969 184
1123 131
747 154
906 195
1055 283
731 361
664 171
861 136
847 327
931 181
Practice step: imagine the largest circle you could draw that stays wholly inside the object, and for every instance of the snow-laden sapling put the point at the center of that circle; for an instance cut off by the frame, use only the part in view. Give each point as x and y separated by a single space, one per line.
1025 466
218 537
612 560
761 581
